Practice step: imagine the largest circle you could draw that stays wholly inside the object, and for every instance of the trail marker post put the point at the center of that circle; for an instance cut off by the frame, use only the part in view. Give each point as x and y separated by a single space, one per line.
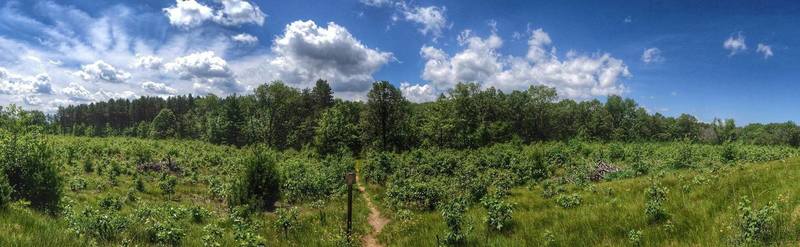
350 178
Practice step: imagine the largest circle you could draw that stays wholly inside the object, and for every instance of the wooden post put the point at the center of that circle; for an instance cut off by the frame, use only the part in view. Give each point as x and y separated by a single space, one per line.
350 178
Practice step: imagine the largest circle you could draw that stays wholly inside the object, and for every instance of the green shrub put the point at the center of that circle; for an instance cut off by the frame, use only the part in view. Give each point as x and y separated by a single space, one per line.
378 167
5 191
259 185
27 164
498 212
568 201
106 225
77 184
110 203
756 225
167 185
286 219
212 235
417 195
168 232
655 196
635 237
453 215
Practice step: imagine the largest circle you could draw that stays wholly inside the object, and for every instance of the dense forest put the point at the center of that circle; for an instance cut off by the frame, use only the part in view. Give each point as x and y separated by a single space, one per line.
465 117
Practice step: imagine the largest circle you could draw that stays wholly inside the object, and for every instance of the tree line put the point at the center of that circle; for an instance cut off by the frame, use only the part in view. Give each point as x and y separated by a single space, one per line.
467 116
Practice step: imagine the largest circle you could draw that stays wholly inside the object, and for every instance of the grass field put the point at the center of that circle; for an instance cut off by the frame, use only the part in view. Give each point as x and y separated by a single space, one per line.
702 200
702 208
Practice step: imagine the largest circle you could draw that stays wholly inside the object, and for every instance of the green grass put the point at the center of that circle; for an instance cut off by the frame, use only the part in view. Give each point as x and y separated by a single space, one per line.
701 213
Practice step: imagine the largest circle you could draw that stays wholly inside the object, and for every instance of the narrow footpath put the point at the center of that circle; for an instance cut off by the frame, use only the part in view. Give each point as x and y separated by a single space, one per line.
375 219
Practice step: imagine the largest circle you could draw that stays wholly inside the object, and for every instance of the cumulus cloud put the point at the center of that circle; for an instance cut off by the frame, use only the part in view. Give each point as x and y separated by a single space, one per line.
157 88
102 71
652 55
418 93
77 92
765 50
576 76
14 84
735 44
306 52
245 38
148 62
209 72
190 13
432 19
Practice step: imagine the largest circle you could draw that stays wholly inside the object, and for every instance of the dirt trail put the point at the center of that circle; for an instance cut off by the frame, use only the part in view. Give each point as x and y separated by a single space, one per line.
375 219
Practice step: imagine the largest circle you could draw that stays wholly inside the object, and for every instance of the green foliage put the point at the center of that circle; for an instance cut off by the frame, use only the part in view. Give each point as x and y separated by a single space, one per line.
384 119
286 219
110 203
26 160
453 215
259 184
568 201
655 196
756 225
167 232
498 212
635 237
5 192
167 185
377 167
102 225
212 235
164 125
338 128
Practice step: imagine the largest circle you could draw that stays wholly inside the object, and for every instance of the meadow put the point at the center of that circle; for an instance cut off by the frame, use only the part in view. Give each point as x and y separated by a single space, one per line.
139 192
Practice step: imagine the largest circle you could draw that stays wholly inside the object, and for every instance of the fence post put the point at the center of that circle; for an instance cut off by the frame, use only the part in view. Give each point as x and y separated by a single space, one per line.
350 178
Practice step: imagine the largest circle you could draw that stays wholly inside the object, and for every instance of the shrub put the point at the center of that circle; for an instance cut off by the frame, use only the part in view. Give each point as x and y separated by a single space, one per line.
635 237
684 157
110 203
654 200
729 152
286 219
198 214
77 184
453 215
27 164
498 212
139 183
88 167
167 185
550 189
5 191
378 167
415 194
168 232
568 201
212 235
101 225
756 225
259 184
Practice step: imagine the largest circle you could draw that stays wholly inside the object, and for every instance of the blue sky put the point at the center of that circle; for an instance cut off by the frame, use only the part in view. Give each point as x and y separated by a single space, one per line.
727 59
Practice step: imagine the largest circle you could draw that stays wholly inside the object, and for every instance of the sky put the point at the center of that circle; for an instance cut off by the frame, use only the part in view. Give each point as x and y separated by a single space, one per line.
711 59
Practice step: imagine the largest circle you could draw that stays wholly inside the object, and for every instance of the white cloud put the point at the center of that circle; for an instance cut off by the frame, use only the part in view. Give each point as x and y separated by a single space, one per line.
237 12
765 50
377 3
652 55
14 84
576 76
190 13
245 38
418 93
158 88
77 92
102 71
209 72
432 19
307 52
735 44
148 62
628 19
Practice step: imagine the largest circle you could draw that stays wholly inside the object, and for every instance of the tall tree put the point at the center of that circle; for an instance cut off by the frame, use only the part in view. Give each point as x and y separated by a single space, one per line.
164 125
383 120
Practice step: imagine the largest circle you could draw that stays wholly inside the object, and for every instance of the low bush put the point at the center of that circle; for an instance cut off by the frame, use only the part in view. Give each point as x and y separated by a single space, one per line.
259 184
655 196
453 215
498 212
568 201
756 225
